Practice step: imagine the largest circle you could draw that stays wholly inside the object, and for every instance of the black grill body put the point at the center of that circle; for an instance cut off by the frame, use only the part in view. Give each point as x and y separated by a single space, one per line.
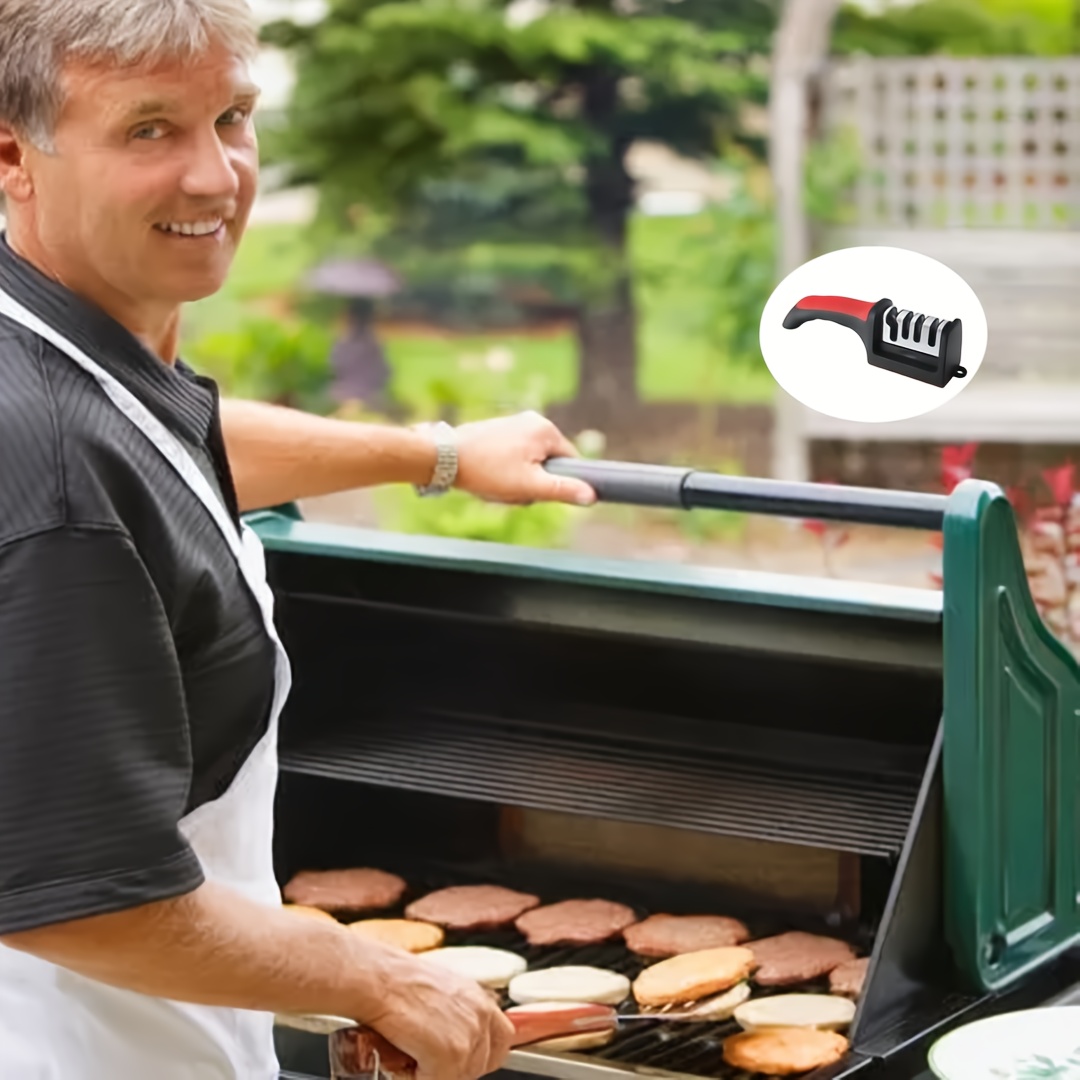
678 739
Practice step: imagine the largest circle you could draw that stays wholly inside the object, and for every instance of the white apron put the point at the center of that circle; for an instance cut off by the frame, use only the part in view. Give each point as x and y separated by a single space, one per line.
56 1025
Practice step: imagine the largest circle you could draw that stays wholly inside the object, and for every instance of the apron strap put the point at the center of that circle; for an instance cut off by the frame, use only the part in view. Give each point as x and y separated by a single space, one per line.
244 545
169 446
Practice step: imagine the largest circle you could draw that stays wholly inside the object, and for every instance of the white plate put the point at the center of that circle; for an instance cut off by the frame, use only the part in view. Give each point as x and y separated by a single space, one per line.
1038 1044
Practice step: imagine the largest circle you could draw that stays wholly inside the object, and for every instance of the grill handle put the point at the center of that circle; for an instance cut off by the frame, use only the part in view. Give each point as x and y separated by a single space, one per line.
689 489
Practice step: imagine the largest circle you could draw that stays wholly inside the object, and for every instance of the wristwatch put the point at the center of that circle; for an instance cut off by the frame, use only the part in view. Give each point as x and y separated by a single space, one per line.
446 463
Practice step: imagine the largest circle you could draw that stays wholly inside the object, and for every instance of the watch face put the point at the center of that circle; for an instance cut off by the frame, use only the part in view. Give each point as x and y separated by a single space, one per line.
1037 1044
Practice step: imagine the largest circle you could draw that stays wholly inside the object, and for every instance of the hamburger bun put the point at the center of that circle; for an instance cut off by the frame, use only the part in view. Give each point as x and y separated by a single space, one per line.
491 968
407 934
784 1051
821 1011
713 1009
693 976
310 912
570 984
587 1040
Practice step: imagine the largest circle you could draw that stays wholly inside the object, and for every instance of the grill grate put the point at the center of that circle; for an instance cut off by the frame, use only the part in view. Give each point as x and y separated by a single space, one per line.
694 1049
859 812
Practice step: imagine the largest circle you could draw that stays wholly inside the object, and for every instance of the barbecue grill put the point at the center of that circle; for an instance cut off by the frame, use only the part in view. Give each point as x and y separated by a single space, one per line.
896 767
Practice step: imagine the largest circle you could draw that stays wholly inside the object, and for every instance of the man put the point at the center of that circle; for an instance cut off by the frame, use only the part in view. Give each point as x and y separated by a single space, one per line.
141 931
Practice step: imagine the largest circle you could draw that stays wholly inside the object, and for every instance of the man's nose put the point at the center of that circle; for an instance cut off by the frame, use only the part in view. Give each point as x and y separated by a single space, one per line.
210 173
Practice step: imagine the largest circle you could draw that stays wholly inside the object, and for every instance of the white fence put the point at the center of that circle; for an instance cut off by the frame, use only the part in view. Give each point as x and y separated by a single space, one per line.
976 143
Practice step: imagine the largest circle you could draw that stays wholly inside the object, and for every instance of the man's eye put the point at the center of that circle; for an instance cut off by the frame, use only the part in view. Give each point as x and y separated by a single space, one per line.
235 116
149 131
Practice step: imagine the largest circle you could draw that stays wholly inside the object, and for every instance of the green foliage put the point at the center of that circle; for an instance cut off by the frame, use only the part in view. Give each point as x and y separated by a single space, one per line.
495 385
742 273
268 359
708 288
264 275
833 165
392 94
462 517
488 157
961 28
709 526
477 376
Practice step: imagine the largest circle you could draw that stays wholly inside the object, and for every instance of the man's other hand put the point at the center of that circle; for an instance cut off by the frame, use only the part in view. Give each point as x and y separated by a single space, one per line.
503 461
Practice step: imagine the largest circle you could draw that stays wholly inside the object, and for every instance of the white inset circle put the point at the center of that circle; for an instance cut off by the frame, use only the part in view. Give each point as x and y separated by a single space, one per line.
825 365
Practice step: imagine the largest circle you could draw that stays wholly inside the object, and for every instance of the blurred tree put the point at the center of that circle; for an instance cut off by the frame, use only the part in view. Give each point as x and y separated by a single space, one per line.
486 141
962 28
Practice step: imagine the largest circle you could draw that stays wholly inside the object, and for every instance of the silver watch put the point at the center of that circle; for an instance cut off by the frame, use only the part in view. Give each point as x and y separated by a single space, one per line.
446 463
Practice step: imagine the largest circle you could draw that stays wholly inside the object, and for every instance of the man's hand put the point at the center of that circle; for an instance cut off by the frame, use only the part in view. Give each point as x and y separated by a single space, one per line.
215 947
449 1025
280 455
503 461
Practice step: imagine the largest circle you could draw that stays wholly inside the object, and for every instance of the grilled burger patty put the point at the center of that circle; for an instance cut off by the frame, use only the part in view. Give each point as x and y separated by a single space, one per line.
670 935
848 978
575 922
360 889
472 907
790 959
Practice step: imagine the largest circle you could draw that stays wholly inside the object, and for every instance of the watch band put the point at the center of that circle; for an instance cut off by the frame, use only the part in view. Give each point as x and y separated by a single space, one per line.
446 462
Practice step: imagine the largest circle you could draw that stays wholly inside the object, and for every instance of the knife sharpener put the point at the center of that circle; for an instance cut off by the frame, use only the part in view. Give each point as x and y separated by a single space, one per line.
904 342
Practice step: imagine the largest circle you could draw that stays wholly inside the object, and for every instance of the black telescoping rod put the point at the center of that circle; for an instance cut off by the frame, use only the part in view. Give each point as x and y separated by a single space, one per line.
690 489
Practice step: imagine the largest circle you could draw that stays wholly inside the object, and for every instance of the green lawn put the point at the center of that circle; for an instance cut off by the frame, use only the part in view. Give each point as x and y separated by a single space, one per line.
503 372
678 362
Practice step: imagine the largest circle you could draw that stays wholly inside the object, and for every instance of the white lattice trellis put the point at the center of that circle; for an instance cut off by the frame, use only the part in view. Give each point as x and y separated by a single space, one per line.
945 142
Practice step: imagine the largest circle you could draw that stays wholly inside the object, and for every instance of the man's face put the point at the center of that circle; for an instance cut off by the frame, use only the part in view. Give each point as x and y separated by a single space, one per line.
144 156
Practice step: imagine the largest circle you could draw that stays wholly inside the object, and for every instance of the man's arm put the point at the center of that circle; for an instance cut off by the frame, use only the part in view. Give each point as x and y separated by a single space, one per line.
279 455
214 947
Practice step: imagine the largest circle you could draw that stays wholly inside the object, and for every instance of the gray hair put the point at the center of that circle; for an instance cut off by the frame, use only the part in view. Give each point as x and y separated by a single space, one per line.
39 37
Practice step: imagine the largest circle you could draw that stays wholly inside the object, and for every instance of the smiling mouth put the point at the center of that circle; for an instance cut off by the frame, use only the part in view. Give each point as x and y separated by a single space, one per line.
194 230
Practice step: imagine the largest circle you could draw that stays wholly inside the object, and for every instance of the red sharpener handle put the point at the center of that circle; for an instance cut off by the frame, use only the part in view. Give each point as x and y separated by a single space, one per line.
359 1053
854 314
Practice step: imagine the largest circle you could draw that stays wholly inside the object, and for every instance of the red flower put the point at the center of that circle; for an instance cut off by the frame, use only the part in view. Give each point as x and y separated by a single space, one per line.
1020 499
957 465
1060 483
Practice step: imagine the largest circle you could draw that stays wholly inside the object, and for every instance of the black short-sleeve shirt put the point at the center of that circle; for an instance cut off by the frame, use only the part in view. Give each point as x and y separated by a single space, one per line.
136 674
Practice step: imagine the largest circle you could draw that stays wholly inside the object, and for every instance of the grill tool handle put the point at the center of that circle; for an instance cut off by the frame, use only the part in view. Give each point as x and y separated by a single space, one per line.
688 489
358 1053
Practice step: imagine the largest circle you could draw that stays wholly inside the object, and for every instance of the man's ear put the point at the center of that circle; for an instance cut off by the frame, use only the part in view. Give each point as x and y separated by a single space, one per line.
15 182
